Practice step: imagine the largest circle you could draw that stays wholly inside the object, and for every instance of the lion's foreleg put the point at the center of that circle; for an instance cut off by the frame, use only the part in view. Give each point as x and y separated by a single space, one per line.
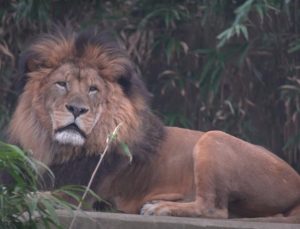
182 209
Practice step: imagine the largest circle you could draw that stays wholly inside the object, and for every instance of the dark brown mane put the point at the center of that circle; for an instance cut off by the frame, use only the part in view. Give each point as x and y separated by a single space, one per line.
142 131
89 47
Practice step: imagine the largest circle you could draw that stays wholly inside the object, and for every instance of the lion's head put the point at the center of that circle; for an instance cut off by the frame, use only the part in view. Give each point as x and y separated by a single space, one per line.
79 87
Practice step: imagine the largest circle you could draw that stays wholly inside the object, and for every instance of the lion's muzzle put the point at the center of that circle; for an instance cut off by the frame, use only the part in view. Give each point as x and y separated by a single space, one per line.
70 134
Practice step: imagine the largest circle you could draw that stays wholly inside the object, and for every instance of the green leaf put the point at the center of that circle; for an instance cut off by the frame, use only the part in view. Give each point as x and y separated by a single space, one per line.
126 151
20 198
244 31
294 46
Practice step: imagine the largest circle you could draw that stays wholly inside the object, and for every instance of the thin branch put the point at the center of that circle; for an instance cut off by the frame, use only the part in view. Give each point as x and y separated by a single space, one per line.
109 140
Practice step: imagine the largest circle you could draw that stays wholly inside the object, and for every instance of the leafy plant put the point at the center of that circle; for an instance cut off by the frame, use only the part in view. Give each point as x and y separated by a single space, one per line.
21 204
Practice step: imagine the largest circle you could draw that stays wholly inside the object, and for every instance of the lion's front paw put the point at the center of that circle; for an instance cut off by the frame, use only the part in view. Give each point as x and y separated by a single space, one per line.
155 208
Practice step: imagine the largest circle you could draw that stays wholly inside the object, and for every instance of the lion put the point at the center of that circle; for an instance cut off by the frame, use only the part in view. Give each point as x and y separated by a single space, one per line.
80 86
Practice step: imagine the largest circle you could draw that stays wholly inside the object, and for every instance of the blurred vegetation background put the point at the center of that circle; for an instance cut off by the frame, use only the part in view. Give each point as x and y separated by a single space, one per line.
231 65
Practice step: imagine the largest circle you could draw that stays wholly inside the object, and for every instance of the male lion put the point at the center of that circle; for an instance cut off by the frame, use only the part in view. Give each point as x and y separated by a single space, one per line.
79 87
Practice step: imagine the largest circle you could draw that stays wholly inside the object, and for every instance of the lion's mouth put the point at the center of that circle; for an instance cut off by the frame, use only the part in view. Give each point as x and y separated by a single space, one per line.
73 128
70 134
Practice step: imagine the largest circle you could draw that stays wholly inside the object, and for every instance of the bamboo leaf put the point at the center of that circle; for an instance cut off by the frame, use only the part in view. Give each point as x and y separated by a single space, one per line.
244 31
126 151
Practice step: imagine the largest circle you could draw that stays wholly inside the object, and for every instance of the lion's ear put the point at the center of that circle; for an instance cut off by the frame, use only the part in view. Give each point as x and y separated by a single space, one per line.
125 82
25 65
29 62
132 84
33 65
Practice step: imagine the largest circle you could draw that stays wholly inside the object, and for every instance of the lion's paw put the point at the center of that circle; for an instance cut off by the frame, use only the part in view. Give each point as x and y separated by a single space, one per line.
155 208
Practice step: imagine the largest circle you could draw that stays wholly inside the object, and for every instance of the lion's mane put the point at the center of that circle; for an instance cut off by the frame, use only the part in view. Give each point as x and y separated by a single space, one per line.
30 129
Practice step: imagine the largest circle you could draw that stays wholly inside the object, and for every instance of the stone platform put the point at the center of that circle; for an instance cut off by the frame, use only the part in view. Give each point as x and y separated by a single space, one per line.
99 220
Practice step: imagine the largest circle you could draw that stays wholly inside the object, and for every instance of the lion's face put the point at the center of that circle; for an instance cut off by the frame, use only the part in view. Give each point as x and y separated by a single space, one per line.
74 102
78 88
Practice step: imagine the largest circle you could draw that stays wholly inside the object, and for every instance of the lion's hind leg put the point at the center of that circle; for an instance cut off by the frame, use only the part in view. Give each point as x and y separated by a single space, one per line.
211 198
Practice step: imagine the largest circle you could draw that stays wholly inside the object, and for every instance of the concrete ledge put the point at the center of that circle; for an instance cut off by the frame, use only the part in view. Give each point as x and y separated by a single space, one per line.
99 220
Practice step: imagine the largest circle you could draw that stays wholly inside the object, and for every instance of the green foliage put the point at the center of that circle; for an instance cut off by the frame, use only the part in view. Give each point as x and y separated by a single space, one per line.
32 10
230 65
21 204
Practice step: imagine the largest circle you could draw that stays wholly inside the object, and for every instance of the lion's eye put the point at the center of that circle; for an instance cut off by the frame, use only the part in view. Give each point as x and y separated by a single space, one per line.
93 89
61 84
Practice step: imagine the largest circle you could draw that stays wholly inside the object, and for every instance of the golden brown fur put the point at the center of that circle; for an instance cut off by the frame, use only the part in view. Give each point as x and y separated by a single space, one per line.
79 87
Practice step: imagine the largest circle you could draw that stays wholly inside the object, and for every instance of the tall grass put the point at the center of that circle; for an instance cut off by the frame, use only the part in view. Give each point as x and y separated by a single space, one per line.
21 203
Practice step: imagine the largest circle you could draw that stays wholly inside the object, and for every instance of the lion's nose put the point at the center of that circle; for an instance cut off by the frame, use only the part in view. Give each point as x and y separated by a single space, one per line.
76 110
